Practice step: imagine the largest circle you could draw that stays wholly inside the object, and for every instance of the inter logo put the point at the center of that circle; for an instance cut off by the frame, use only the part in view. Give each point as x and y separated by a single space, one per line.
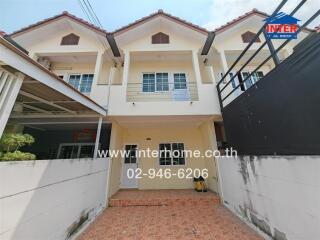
281 26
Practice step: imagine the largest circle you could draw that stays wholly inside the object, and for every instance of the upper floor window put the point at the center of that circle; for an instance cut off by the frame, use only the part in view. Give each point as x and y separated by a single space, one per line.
256 76
249 36
160 38
81 82
70 39
180 81
152 82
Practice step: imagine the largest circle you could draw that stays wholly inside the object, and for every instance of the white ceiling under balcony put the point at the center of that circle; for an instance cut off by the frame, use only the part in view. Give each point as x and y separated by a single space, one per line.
70 57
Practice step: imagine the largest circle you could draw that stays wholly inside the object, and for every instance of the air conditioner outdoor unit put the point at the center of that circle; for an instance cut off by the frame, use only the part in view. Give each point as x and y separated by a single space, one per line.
44 62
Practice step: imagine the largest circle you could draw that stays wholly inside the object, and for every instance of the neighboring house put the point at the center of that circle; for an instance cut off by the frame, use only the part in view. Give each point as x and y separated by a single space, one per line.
159 91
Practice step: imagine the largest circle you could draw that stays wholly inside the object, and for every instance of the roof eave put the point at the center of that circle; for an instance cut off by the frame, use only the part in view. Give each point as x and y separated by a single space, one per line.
56 18
158 14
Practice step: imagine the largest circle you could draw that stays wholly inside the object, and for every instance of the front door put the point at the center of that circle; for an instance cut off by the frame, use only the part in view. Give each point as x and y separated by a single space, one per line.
180 87
130 164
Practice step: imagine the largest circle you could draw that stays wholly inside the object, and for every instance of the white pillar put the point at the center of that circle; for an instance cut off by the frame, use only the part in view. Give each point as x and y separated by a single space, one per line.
195 62
126 67
211 74
196 68
111 74
10 86
96 145
224 62
226 79
97 68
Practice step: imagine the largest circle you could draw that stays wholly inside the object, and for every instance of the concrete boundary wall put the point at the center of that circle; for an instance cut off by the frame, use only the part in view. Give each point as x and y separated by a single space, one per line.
50 199
277 195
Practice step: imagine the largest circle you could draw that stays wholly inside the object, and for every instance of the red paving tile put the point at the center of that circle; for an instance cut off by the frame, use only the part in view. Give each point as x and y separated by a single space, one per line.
125 198
199 221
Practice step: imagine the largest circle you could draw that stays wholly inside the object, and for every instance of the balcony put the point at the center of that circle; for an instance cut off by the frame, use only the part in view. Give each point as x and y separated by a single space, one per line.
164 83
88 72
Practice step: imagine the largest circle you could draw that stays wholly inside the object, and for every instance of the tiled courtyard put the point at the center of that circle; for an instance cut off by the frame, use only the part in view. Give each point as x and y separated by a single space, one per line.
190 221
171 197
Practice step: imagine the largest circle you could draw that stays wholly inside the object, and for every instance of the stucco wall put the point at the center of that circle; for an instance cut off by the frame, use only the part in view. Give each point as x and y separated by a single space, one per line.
193 139
115 144
45 199
210 143
279 195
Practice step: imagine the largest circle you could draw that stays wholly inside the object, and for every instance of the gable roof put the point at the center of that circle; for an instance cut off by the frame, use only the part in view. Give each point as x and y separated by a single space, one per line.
281 18
64 14
140 21
244 17
161 13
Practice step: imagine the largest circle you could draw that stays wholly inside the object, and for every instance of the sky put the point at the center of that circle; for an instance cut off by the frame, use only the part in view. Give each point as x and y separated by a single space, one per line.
210 14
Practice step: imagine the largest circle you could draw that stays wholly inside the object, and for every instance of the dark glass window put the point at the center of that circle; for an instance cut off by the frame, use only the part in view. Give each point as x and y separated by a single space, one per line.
171 154
131 154
70 39
160 38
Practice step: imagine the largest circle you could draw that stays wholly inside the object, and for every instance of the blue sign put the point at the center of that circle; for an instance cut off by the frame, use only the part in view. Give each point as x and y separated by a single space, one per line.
281 26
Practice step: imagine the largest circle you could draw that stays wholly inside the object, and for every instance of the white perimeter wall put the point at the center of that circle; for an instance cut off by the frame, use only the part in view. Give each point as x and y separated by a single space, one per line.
44 199
279 195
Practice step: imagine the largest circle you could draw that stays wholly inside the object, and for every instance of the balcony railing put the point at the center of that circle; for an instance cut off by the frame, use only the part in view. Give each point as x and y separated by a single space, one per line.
156 92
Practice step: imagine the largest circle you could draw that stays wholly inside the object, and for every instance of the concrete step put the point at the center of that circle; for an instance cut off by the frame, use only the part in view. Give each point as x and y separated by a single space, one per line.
180 197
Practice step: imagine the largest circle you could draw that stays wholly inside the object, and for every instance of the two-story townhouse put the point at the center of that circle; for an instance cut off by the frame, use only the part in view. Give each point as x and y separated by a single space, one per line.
157 79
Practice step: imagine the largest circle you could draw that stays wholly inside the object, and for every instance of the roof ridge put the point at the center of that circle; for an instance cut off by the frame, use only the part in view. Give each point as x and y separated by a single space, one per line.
63 14
158 13
247 14
239 18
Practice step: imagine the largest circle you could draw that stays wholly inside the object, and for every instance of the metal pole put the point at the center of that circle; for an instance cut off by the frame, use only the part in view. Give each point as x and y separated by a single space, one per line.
271 48
96 145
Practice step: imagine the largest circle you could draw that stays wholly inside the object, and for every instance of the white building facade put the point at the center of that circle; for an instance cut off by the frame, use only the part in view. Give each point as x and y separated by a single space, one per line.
155 82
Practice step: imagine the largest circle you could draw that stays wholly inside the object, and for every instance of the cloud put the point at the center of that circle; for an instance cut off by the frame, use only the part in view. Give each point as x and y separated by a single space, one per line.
222 11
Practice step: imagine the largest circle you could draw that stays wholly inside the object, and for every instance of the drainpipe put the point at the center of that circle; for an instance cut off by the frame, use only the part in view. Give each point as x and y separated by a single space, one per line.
96 146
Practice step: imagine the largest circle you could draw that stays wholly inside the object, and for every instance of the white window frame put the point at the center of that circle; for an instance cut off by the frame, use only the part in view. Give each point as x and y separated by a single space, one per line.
74 144
124 148
155 82
180 72
81 76
251 78
171 165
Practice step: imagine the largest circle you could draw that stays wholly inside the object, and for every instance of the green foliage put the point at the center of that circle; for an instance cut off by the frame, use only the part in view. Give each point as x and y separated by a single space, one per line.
17 155
10 145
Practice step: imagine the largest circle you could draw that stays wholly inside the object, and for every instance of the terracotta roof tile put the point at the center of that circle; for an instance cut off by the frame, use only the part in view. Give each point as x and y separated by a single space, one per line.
2 33
160 12
254 11
57 17
240 18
